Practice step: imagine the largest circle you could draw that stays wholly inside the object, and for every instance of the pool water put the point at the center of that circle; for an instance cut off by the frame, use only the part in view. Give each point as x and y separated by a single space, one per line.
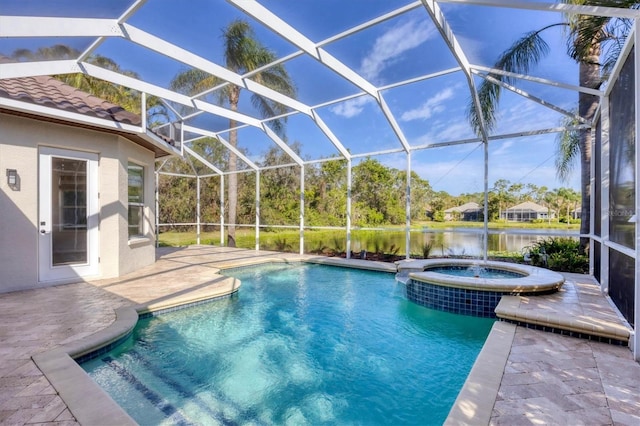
298 344
472 271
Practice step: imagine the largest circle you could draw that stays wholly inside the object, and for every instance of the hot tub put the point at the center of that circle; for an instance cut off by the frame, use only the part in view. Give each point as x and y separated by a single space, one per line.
439 283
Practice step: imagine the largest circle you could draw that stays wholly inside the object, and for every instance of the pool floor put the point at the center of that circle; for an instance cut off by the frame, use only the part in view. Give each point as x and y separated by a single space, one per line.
301 344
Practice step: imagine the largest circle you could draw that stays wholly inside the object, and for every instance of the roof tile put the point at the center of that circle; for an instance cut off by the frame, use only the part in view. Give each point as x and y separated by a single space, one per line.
50 92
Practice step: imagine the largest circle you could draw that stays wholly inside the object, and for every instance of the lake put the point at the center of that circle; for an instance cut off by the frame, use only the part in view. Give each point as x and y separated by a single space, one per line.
444 242
456 241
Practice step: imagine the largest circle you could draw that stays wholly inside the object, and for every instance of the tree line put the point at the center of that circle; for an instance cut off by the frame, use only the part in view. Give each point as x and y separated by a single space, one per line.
562 202
378 193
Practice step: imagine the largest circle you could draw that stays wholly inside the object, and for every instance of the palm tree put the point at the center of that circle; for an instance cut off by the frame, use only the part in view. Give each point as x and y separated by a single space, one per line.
587 36
242 54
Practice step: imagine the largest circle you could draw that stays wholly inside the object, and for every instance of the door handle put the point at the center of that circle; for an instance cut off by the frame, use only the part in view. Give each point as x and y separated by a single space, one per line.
43 231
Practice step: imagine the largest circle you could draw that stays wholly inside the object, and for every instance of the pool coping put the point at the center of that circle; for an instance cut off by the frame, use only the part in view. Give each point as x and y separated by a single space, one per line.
86 400
474 404
509 309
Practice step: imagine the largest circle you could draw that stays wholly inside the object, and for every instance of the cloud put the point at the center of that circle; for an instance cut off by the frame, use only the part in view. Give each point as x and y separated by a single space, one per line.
393 43
503 150
430 107
521 115
456 131
385 51
468 176
445 131
352 107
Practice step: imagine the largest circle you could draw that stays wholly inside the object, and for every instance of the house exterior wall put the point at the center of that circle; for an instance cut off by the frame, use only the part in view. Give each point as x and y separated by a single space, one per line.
20 140
523 215
137 252
18 209
471 216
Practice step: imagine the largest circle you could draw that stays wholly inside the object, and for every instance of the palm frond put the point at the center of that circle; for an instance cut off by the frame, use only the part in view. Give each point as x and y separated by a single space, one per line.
524 53
567 149
519 58
239 44
586 32
276 78
589 31
243 54
269 108
193 81
489 97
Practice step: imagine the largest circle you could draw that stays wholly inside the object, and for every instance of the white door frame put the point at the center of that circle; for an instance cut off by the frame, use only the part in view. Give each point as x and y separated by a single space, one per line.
68 272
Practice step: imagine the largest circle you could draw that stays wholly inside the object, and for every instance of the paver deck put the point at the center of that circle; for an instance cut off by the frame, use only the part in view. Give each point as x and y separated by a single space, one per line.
547 378
553 379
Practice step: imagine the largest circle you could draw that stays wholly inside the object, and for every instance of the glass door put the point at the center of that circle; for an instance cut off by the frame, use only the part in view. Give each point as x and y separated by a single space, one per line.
68 222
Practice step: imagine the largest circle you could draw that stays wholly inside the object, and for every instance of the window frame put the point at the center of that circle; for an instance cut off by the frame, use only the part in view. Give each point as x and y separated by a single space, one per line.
138 202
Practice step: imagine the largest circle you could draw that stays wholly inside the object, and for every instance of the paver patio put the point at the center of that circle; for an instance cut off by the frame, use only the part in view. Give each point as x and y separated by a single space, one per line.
548 378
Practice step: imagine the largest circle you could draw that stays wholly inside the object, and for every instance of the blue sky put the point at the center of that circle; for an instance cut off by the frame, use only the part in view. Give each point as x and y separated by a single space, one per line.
401 48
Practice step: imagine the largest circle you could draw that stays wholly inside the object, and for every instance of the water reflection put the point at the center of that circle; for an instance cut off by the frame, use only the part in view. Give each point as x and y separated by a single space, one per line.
458 242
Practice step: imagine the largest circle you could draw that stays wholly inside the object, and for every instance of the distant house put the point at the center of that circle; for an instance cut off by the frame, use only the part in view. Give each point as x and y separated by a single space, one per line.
468 212
78 199
525 212
577 213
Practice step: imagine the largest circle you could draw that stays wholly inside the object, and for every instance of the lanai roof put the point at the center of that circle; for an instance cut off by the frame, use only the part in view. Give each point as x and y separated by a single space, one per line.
388 77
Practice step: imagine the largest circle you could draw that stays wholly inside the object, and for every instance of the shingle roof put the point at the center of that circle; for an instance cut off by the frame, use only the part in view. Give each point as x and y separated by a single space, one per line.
529 205
463 208
47 91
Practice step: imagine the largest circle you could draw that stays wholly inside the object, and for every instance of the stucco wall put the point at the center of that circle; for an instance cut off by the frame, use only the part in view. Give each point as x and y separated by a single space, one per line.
20 139
137 252
18 209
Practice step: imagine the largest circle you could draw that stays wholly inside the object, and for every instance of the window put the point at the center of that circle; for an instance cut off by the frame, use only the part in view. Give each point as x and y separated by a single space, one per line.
136 200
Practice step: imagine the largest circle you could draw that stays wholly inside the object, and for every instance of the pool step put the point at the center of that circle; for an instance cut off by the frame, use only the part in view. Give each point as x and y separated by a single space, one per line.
526 312
182 389
153 397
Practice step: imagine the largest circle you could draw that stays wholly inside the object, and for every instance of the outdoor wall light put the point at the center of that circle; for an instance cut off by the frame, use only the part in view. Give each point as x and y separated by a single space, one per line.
12 177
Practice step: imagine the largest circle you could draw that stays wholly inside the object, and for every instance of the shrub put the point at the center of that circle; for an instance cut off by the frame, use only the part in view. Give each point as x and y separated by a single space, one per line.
338 245
438 216
281 244
559 254
426 249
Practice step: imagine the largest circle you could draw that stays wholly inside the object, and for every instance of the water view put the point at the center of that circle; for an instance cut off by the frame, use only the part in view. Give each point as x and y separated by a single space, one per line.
456 241
443 242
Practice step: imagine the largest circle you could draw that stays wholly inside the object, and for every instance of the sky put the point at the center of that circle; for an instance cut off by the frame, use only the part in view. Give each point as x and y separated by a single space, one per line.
405 47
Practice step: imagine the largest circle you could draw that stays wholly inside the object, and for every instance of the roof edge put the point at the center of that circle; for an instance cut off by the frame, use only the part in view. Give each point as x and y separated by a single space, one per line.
134 133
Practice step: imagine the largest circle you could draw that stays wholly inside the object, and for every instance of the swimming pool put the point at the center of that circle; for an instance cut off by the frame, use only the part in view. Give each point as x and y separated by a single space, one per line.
298 344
